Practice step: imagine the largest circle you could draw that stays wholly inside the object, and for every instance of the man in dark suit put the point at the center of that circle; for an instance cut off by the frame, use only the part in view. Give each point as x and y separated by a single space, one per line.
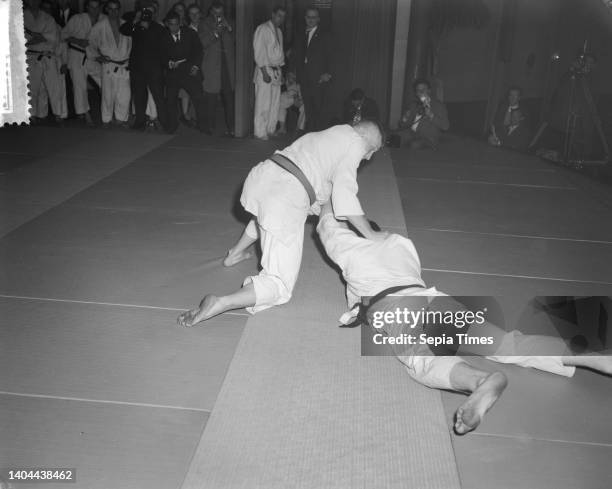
63 11
181 54
146 69
358 107
218 66
424 120
312 65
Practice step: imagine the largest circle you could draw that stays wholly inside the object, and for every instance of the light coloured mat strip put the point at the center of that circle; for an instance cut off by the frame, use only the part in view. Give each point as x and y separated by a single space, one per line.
103 401
112 304
301 409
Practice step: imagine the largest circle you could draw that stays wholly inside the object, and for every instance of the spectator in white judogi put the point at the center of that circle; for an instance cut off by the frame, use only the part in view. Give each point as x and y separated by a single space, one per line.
112 50
43 64
61 58
269 58
291 97
76 35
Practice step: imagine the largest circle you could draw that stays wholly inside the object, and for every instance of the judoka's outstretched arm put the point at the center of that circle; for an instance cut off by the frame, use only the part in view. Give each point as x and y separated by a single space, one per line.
336 237
363 226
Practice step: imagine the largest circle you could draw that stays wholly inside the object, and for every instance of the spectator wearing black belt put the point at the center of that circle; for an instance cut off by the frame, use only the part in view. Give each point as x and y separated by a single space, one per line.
82 68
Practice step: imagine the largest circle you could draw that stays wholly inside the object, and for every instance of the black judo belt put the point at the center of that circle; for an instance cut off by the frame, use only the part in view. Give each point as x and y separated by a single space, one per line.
365 304
40 54
80 50
292 168
119 63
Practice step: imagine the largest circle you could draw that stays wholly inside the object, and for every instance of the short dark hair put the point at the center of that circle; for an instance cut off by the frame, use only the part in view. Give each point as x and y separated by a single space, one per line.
278 8
312 7
421 81
108 2
216 4
515 88
172 15
357 94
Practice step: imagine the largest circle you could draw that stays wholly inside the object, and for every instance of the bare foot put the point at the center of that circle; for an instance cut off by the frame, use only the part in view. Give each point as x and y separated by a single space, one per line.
233 258
209 307
470 413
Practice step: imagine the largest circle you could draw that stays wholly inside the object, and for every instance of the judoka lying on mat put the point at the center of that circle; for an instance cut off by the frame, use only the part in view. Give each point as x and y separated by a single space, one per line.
280 193
371 267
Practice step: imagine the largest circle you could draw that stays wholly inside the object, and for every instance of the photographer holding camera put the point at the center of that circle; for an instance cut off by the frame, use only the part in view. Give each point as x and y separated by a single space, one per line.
146 70
218 67
422 123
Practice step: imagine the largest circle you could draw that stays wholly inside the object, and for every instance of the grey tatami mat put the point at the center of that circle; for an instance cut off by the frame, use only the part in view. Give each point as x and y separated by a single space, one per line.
110 445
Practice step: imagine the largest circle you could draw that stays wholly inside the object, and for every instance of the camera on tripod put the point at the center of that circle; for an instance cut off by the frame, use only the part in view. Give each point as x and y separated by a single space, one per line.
576 113
583 63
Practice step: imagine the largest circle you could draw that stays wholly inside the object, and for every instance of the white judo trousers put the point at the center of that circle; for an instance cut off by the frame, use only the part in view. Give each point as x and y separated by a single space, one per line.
115 77
79 64
364 262
329 160
269 55
43 66
280 205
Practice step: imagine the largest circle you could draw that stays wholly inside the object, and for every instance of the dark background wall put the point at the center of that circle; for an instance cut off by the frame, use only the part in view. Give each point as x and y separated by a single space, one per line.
491 45
362 48
515 47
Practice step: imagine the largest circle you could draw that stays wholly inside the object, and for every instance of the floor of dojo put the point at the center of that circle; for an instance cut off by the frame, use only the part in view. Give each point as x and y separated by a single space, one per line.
106 235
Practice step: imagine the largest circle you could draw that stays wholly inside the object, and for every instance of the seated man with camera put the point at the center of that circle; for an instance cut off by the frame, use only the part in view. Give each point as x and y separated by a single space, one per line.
145 61
421 124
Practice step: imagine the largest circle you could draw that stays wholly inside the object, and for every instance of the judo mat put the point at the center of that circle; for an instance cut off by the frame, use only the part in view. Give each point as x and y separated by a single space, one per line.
300 408
107 236
492 222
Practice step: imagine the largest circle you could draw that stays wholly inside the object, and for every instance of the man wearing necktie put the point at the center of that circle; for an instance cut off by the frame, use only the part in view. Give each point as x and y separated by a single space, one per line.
510 128
181 52
313 69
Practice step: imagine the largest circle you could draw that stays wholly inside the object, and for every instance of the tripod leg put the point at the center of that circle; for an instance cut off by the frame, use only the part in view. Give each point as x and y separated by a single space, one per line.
595 117
538 135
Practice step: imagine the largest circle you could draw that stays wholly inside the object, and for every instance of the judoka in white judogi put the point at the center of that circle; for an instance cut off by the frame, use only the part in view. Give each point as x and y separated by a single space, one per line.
269 58
76 34
370 267
43 62
115 79
280 204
